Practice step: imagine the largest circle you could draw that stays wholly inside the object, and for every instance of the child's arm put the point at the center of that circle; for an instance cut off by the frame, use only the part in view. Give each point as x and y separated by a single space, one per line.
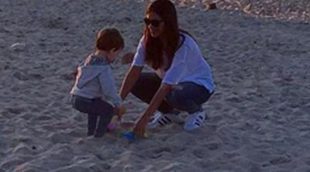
128 58
120 111
108 87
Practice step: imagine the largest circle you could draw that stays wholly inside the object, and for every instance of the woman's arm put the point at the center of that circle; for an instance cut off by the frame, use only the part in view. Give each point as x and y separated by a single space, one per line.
154 104
129 81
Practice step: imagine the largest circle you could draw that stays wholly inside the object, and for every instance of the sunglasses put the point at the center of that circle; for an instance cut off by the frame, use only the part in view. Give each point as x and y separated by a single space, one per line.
154 23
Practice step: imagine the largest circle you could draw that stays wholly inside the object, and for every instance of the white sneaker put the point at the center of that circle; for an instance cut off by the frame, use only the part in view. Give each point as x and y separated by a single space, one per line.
159 119
194 120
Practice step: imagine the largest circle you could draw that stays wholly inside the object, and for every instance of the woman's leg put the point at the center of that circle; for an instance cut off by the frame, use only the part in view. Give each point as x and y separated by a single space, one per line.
188 96
146 87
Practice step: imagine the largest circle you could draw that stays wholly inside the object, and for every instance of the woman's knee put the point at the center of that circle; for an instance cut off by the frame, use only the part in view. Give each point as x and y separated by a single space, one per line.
179 100
183 100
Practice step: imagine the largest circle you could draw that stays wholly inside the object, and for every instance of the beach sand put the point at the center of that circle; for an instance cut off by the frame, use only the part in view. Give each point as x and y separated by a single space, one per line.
259 116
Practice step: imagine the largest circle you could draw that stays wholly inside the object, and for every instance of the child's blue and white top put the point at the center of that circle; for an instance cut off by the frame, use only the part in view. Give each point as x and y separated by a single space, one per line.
188 65
95 80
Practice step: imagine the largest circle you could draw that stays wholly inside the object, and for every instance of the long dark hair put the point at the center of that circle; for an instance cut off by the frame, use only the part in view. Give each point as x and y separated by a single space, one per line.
154 47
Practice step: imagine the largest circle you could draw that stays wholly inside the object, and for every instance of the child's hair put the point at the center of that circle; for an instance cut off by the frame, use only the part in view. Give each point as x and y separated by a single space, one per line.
108 39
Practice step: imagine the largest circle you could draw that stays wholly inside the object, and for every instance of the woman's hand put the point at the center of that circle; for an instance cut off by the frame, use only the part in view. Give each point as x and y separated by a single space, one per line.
140 126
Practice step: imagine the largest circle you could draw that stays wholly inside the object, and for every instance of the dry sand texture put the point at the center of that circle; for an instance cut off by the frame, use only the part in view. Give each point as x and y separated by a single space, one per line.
258 118
278 9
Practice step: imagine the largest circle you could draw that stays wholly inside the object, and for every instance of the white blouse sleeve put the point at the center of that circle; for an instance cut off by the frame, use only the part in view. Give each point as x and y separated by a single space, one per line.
139 57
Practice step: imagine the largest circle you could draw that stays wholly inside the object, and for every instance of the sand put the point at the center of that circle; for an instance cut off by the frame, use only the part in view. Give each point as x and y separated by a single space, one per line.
259 117
294 10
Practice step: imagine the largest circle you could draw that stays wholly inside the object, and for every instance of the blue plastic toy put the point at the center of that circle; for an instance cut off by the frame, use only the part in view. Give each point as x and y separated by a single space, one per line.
129 135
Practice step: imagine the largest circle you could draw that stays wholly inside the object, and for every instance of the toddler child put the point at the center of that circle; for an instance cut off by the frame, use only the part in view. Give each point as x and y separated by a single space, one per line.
94 91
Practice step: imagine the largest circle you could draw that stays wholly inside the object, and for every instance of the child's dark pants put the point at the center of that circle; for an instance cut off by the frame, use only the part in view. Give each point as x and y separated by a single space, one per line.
95 108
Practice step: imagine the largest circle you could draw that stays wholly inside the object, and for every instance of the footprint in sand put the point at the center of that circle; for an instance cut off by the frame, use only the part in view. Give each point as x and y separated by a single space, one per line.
18 46
23 76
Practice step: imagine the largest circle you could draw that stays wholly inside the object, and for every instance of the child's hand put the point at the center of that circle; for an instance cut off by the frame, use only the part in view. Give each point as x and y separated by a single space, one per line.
120 110
115 121
128 58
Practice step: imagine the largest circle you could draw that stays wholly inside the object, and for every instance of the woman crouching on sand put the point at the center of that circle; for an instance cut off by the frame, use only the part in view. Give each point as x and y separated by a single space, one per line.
182 80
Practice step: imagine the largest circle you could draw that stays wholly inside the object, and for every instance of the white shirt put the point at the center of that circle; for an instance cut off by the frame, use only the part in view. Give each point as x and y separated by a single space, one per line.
188 65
